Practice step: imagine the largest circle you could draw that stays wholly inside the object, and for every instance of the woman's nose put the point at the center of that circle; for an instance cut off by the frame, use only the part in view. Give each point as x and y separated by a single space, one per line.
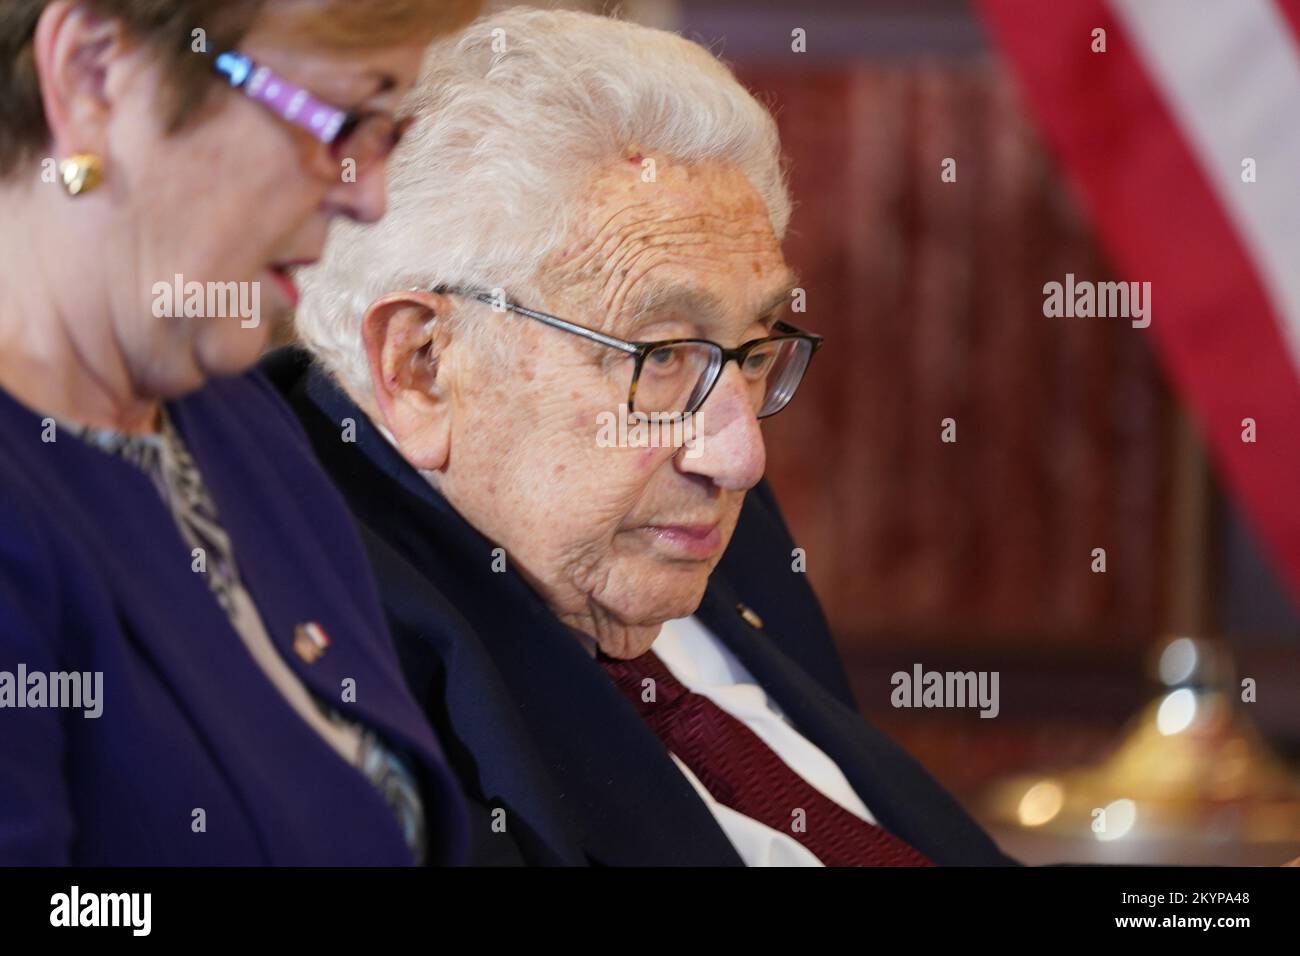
366 199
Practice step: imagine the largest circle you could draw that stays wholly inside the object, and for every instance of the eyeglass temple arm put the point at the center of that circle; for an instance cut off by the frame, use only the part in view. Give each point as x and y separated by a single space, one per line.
288 100
551 320
591 334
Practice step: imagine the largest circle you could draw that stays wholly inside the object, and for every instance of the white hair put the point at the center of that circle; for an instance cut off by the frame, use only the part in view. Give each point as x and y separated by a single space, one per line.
514 116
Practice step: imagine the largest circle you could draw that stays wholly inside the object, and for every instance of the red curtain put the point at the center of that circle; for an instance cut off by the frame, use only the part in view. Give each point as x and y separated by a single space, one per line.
930 296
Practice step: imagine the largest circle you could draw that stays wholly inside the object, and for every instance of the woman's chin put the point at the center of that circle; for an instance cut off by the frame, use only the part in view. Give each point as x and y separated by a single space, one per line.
232 351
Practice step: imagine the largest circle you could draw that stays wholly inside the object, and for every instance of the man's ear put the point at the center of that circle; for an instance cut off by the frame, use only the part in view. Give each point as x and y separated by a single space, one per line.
406 337
74 48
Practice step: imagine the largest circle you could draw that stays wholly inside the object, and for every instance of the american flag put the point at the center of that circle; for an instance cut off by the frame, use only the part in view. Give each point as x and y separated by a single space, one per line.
1179 123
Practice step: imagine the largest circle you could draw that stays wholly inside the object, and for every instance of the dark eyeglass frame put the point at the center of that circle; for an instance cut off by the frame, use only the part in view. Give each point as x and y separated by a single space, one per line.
331 125
642 350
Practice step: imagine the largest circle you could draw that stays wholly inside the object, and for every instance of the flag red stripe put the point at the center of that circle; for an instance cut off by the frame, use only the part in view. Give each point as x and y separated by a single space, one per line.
1290 10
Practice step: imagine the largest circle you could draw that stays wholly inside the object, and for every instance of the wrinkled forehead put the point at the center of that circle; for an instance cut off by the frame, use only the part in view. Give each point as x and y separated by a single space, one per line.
693 242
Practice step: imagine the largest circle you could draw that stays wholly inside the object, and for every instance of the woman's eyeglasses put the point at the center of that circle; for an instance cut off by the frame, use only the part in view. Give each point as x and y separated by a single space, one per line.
365 137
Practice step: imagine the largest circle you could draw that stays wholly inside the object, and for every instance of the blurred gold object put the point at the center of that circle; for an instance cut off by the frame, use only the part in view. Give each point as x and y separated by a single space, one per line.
1190 766
81 173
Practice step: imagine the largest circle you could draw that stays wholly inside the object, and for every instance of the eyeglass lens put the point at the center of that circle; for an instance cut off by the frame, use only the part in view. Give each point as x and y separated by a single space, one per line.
677 378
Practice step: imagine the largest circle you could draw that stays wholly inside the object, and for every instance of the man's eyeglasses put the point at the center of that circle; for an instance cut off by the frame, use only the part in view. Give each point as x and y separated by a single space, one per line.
365 137
674 377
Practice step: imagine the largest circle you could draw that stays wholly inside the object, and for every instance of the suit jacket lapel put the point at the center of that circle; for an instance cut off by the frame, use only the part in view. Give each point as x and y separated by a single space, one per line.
466 699
897 790
625 787
377 681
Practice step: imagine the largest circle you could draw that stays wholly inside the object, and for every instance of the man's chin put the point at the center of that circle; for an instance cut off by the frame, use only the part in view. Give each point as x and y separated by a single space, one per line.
629 645
676 592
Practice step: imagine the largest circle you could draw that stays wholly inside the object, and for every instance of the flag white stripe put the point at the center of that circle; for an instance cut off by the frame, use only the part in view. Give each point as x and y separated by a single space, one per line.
1229 72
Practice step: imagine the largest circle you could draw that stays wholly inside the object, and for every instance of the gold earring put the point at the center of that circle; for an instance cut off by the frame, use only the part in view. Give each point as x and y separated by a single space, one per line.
81 173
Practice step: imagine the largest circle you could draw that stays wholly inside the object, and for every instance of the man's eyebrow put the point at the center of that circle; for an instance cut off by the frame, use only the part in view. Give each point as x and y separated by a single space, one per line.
695 302
781 298
660 297
674 298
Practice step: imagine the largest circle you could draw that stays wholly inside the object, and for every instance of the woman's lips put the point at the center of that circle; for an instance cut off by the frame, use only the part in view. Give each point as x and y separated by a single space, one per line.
694 541
284 282
282 275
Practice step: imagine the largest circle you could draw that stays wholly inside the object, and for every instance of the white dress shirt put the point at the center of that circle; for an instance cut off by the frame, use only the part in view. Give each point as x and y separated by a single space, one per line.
704 665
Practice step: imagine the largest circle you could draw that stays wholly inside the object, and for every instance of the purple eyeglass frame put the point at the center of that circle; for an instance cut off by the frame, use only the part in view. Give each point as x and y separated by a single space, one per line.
325 122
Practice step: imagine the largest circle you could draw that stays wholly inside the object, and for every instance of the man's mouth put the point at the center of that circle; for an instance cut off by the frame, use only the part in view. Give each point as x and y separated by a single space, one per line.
695 542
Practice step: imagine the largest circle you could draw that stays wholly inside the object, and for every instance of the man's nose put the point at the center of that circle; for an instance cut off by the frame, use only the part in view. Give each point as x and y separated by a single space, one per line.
726 443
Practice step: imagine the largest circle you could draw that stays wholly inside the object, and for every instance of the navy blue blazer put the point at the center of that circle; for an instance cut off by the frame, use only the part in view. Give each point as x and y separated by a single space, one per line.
534 727
94 576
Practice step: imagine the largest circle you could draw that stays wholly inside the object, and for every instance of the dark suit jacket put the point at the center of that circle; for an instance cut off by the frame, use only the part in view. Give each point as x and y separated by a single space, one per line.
94 576
531 722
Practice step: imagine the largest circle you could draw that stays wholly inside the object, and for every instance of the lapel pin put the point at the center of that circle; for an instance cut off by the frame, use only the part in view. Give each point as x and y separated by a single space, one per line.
310 641
750 616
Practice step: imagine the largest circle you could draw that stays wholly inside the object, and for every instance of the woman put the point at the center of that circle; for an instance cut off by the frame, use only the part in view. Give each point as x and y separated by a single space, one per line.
193 663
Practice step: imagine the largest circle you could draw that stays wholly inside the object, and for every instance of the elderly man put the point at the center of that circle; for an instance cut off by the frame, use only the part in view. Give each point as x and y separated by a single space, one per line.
585 227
